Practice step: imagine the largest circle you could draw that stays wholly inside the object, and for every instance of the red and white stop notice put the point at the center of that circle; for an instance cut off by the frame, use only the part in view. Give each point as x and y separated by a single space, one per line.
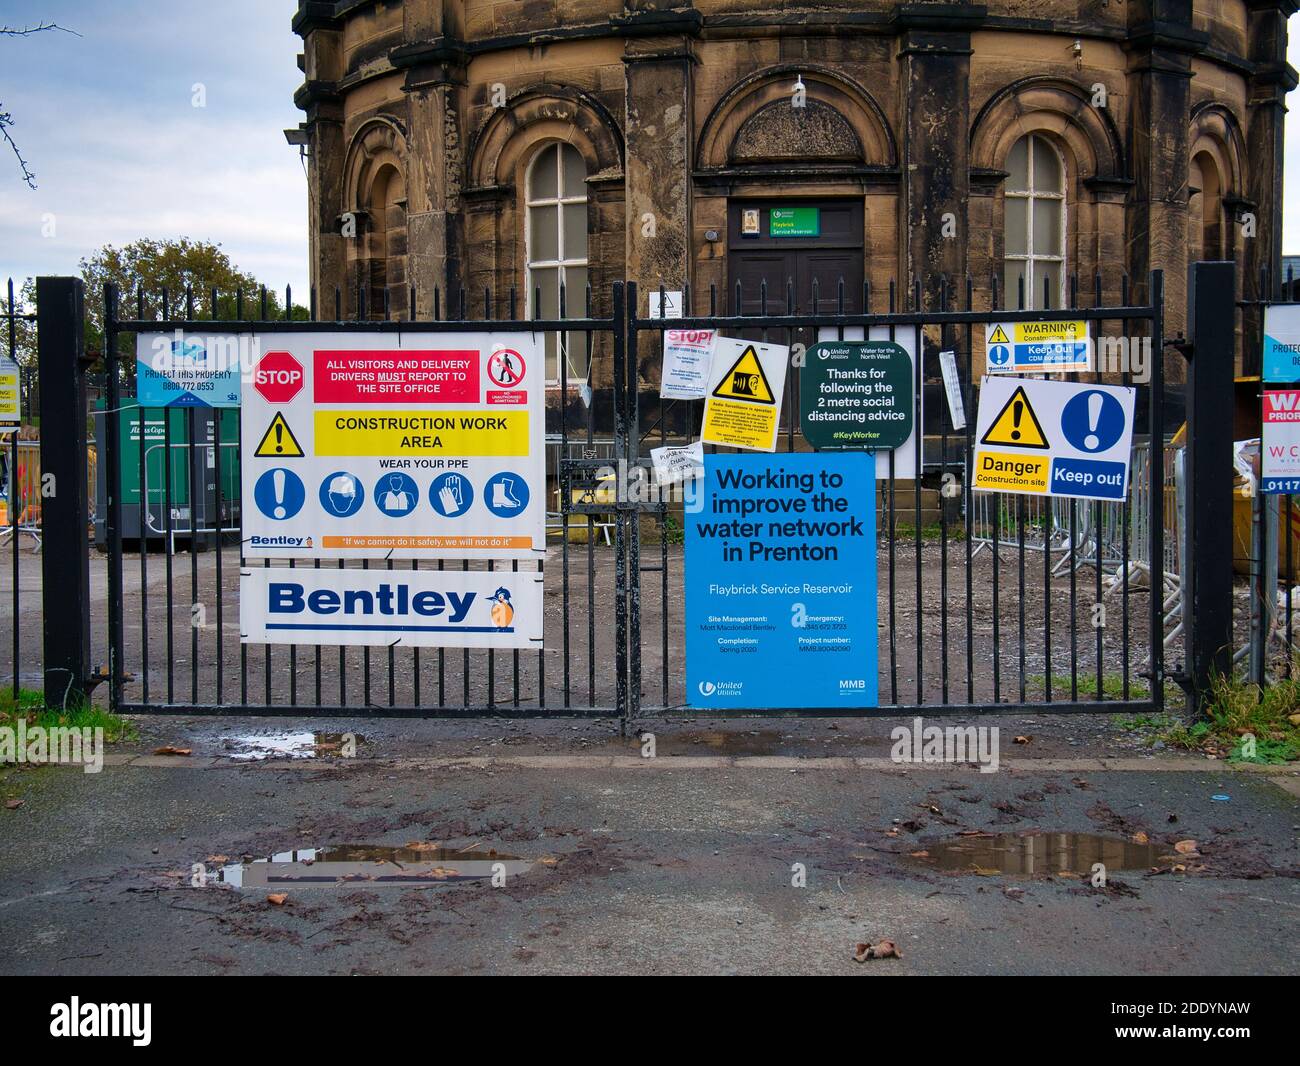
278 377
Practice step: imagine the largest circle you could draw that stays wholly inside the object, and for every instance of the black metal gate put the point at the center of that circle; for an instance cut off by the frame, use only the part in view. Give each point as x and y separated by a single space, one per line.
990 603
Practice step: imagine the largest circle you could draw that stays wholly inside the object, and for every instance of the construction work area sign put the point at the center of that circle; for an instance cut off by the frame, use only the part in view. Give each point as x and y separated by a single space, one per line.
395 446
381 608
742 405
1054 438
1037 347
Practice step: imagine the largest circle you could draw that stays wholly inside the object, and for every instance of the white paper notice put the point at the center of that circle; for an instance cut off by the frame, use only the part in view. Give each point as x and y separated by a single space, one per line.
688 355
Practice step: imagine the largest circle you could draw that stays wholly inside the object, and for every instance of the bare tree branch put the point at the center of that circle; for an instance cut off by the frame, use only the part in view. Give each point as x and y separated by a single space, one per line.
6 119
27 31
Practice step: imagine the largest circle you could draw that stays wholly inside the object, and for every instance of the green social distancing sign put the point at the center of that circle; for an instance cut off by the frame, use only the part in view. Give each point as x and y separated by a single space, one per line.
856 396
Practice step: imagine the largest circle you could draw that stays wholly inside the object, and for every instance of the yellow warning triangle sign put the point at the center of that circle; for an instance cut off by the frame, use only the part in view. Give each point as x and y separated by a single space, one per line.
999 336
278 442
1016 425
745 380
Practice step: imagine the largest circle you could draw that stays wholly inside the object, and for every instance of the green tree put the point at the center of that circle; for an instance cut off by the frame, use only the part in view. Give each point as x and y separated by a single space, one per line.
153 273
24 333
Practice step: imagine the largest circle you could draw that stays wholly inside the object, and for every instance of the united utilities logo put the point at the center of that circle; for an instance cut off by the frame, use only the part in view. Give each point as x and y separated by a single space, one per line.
721 688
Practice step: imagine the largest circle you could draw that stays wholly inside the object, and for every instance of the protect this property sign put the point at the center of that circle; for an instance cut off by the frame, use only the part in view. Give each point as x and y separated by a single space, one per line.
413 608
856 396
383 446
186 370
1282 342
781 583
1038 347
1280 443
1053 438
742 405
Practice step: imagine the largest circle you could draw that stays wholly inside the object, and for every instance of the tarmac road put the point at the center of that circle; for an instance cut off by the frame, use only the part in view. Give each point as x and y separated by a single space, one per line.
679 864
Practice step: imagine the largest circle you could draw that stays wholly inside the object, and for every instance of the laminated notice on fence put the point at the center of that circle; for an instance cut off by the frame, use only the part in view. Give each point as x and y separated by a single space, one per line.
414 608
10 391
1280 445
673 464
388 446
688 354
1031 347
746 384
1053 438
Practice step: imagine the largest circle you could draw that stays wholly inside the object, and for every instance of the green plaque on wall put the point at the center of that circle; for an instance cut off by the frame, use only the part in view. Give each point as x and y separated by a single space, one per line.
795 222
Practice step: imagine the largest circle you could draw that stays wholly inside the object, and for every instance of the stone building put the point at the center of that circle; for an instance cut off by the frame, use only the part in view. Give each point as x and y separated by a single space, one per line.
472 145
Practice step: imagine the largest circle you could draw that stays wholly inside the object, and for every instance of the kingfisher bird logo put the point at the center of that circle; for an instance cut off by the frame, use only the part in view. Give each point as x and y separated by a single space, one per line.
503 613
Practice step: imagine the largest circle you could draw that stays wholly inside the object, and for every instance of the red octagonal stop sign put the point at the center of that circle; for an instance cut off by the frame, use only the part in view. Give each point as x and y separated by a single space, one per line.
278 377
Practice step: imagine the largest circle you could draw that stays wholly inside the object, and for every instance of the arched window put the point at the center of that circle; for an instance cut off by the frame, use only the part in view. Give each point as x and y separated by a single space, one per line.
386 242
1034 228
1205 209
557 251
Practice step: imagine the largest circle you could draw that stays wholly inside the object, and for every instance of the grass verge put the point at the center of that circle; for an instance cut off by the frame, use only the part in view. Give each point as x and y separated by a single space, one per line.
1243 723
31 706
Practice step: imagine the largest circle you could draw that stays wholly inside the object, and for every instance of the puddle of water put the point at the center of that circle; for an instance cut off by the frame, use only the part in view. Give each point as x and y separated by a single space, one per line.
1027 854
253 747
371 864
754 742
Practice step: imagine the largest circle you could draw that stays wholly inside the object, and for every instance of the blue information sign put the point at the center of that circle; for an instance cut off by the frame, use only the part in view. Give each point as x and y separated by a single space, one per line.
781 583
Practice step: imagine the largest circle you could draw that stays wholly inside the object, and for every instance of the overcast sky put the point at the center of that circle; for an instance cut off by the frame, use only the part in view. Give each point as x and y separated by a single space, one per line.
108 123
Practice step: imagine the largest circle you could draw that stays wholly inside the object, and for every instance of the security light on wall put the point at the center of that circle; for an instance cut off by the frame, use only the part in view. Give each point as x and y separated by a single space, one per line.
300 137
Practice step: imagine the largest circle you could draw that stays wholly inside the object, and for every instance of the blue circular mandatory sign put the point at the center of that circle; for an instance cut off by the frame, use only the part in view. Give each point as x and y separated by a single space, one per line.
451 494
279 494
1093 421
999 355
396 494
506 494
342 494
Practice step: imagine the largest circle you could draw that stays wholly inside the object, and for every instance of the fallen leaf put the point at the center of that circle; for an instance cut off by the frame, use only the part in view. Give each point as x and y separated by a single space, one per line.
278 899
167 749
1294 719
1023 740
886 949
1140 838
1185 847
13 805
919 854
